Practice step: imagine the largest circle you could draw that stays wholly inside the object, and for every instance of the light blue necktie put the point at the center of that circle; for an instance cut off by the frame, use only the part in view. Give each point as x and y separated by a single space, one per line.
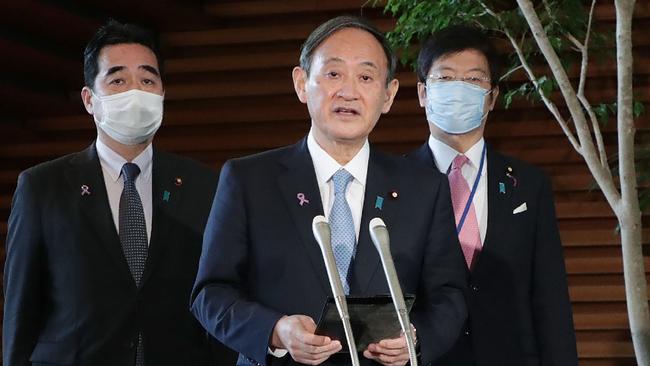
342 226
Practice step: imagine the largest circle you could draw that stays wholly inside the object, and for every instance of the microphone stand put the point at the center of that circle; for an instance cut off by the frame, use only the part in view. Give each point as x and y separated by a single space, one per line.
322 233
381 239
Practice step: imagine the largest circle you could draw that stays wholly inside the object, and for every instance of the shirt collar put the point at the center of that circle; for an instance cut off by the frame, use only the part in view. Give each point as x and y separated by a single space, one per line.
113 162
325 166
445 154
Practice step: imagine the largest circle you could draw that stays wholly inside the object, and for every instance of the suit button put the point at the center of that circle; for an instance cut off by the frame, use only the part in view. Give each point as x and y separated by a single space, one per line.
474 288
467 332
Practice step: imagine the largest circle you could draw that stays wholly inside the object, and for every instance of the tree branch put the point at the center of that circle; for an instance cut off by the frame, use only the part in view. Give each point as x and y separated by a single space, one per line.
583 48
581 92
510 72
531 75
602 174
568 35
578 46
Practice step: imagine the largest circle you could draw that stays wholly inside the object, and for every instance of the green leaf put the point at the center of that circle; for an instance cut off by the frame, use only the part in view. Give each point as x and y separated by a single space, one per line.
556 42
546 85
602 113
638 109
507 98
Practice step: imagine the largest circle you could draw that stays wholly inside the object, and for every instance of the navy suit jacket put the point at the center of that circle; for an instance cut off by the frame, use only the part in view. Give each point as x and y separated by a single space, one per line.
260 260
70 298
517 298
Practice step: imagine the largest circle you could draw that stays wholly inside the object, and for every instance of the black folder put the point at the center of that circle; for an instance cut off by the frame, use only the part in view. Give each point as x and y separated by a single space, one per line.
372 319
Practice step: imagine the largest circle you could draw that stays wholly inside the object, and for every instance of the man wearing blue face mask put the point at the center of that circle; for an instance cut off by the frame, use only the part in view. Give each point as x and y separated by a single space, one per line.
103 244
518 303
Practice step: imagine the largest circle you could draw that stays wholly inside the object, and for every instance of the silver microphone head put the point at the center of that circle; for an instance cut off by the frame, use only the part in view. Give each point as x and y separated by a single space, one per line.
377 221
379 234
321 229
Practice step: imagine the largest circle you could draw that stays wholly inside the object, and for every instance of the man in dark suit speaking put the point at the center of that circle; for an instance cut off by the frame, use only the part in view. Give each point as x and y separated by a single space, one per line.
262 281
103 244
519 309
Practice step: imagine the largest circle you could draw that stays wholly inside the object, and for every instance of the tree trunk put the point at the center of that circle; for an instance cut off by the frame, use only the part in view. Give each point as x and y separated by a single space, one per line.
635 282
626 206
628 212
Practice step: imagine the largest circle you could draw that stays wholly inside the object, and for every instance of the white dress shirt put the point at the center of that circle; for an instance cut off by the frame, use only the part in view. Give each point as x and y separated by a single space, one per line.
112 163
443 155
325 166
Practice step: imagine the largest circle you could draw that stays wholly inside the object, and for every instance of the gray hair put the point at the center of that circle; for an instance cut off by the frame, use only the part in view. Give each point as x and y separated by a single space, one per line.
325 30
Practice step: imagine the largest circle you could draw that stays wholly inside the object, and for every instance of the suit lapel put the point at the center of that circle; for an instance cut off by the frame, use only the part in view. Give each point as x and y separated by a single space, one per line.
94 207
500 196
423 154
500 190
376 203
165 197
299 178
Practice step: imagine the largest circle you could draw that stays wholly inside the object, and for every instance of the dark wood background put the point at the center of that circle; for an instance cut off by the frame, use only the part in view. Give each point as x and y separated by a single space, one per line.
229 93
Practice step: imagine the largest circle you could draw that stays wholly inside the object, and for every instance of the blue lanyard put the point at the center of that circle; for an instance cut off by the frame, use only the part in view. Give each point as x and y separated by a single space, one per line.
474 187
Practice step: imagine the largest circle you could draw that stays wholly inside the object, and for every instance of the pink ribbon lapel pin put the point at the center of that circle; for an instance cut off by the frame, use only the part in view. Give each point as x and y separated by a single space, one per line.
85 190
302 200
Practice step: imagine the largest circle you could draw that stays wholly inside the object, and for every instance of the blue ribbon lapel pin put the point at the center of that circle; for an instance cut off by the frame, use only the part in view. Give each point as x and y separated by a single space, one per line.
379 202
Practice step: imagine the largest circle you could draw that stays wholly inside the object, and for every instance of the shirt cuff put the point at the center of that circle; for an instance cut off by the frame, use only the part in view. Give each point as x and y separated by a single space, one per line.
279 352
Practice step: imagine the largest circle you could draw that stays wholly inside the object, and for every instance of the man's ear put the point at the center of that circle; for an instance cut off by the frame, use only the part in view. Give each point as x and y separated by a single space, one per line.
299 76
495 94
86 98
391 91
422 94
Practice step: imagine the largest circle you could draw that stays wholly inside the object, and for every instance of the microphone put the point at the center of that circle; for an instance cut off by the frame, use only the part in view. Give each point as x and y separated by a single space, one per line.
322 234
381 239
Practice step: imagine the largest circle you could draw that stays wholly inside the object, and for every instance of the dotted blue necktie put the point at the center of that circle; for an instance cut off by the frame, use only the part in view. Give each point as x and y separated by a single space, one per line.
133 235
342 226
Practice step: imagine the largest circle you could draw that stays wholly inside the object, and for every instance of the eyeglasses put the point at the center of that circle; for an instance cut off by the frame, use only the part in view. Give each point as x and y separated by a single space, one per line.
481 81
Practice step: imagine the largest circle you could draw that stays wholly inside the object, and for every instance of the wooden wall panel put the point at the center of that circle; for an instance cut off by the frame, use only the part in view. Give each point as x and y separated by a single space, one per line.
229 93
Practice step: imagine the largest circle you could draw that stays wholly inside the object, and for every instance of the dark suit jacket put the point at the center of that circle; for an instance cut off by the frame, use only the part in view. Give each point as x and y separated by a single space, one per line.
518 302
69 296
260 260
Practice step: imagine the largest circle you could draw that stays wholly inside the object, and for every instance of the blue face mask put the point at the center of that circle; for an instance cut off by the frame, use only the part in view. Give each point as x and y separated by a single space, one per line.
456 107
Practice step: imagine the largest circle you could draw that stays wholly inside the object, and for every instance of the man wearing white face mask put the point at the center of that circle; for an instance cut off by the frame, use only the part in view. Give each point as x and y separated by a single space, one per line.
103 245
130 118
518 303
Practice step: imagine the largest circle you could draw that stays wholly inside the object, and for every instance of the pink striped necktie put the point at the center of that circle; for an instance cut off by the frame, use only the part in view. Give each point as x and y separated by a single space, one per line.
469 236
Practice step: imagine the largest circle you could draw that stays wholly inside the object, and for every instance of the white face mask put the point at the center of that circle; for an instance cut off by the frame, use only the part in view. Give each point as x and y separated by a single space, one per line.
130 117
456 107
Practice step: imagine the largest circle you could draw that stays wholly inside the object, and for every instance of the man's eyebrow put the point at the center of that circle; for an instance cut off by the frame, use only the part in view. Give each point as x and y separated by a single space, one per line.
478 69
449 68
114 69
333 59
444 68
364 63
151 69
370 64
